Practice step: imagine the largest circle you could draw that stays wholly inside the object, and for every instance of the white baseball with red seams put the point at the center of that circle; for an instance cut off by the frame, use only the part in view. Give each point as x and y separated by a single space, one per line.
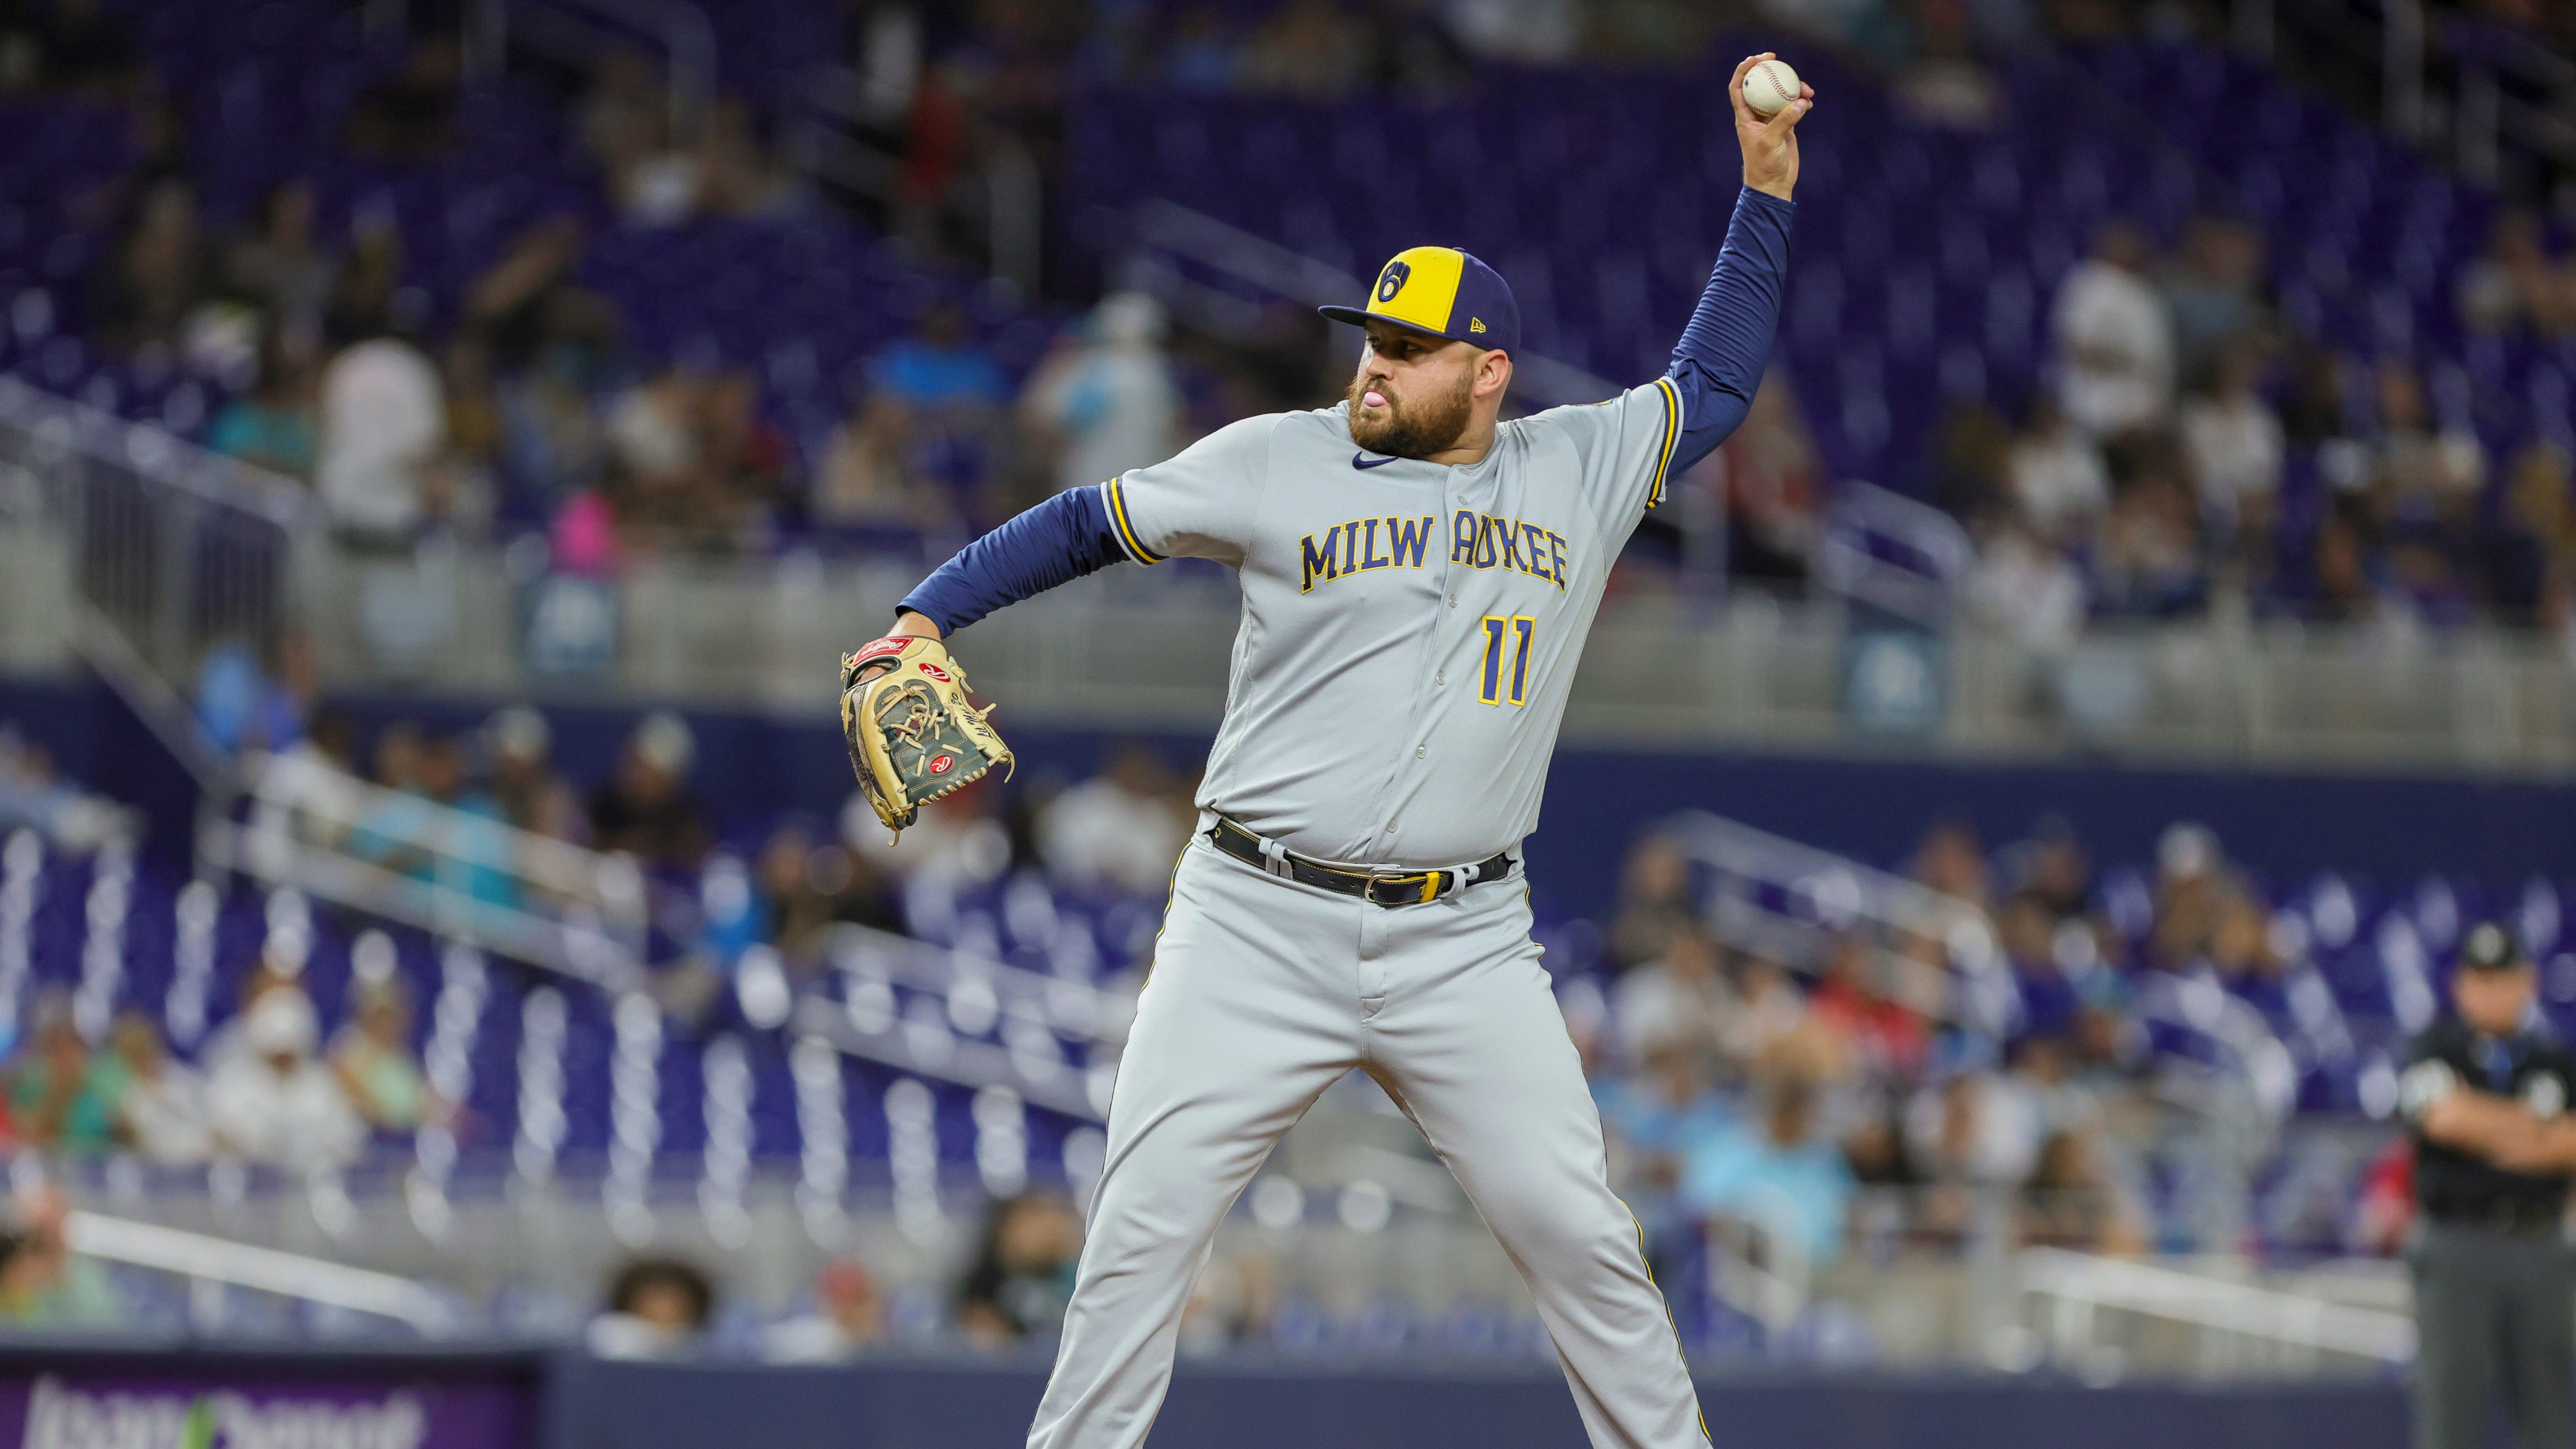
1770 85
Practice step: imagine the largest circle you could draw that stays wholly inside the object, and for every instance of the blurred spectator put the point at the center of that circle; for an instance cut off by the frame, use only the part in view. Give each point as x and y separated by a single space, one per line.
1309 49
1108 401
2057 475
243 706
1022 1273
645 808
32 794
2532 561
1679 1001
2114 339
807 888
1973 1130
2233 442
657 1308
1516 32
1655 905
2025 589
367 298
1975 462
531 796
1121 830
735 175
746 454
406 115
848 1319
272 1102
2070 1202
42 1284
156 276
868 474
2147 562
2517 283
383 431
1659 1116
1777 1175
373 1062
652 436
280 266
959 837
2211 289
1199 53
157 1104
271 426
1772 1017
527 298
941 365
1860 1002
47 1102
1952 861
1773 488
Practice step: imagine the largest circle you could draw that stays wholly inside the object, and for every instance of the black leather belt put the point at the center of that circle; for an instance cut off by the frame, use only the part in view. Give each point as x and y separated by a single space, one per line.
1382 890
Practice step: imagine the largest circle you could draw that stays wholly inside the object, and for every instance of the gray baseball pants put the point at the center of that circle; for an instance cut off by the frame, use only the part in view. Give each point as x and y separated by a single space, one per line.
1264 992
2495 1318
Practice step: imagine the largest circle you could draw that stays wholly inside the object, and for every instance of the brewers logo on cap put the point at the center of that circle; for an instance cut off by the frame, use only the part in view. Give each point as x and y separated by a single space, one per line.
1445 292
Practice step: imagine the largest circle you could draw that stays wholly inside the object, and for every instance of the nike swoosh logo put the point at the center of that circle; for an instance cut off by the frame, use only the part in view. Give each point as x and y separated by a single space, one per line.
1363 460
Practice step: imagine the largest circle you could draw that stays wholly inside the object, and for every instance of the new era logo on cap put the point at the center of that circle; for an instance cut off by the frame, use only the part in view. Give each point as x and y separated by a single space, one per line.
1445 292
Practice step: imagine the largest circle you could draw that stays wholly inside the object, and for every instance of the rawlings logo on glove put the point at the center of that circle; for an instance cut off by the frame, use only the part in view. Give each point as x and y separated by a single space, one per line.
912 735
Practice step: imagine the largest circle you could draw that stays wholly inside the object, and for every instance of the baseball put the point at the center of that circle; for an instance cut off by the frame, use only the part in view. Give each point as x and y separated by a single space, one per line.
1769 86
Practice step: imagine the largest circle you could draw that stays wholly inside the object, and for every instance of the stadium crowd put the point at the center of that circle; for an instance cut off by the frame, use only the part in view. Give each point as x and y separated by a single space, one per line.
2147 480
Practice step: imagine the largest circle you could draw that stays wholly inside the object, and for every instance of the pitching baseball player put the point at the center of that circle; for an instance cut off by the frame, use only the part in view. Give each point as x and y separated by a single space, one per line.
1418 577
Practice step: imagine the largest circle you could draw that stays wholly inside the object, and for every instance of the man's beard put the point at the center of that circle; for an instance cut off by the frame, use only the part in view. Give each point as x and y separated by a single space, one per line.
1411 430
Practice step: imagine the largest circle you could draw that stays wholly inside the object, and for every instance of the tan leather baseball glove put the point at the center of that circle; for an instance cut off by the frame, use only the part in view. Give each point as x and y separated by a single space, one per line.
913 737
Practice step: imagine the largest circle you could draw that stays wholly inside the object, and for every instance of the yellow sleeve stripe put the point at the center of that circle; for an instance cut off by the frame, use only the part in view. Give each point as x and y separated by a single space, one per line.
1672 438
1127 538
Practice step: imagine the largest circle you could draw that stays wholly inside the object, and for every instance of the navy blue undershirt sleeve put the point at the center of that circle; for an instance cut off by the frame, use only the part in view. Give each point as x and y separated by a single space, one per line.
1054 543
1717 367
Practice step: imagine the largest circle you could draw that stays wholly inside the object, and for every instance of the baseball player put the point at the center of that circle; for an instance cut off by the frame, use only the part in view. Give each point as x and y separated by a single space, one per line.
1418 577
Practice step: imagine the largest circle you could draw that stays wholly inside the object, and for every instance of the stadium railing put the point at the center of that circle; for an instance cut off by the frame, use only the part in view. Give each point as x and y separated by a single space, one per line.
210 1264
180 549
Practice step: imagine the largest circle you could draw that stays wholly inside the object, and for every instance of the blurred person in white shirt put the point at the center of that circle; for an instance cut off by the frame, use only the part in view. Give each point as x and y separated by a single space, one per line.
2115 342
273 1102
1121 829
2024 589
161 1110
2057 476
384 428
2232 439
1111 398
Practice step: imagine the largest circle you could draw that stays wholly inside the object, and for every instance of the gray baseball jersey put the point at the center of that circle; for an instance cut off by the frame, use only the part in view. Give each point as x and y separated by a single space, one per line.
1410 630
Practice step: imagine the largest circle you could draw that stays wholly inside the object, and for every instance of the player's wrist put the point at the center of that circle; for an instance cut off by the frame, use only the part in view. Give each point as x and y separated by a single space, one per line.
916 624
1776 189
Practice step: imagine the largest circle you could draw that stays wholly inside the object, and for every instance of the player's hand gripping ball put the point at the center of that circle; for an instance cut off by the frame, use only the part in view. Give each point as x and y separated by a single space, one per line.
1768 86
912 735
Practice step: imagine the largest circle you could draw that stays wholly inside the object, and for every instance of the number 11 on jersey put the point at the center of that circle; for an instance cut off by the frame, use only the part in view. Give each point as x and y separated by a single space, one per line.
1503 633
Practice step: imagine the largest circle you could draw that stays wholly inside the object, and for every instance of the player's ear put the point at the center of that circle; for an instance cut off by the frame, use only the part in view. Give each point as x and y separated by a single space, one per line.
1493 373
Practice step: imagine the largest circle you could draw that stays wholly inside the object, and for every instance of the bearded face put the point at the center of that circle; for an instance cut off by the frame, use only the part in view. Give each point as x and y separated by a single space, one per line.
1415 421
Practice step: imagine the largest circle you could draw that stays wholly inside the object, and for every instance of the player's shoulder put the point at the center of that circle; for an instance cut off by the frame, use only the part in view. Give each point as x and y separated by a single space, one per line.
1263 431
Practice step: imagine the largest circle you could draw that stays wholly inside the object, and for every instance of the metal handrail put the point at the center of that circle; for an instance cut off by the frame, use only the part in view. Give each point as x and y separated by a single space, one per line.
2296 1320
1857 892
301 813
170 460
221 1260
